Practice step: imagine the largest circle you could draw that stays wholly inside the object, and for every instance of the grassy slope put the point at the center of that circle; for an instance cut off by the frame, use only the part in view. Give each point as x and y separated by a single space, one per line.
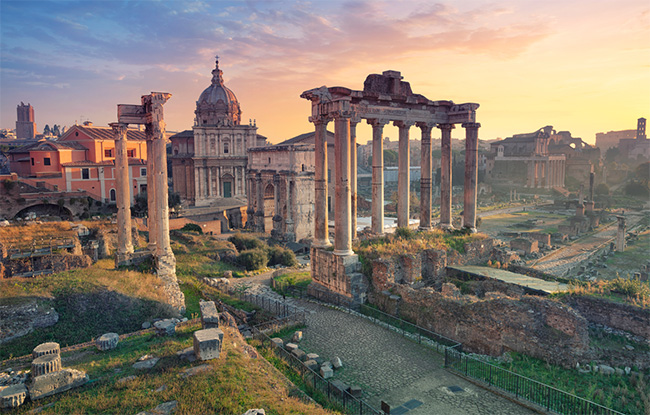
234 383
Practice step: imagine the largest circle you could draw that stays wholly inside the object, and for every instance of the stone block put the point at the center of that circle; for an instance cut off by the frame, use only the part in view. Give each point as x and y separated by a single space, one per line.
46 348
297 336
165 327
13 396
356 392
336 363
278 342
299 354
326 372
209 315
207 344
290 347
312 364
48 363
56 382
339 387
312 356
146 362
107 341
606 370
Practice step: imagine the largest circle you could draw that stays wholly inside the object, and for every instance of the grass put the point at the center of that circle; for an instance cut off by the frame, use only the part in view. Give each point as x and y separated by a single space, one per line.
627 394
631 291
233 384
298 280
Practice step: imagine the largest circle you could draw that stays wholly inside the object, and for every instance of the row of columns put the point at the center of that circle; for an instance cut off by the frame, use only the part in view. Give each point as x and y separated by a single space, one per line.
545 173
345 178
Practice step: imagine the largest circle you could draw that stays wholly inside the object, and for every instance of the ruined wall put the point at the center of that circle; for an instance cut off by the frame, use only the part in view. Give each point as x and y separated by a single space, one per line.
618 316
338 274
55 263
535 326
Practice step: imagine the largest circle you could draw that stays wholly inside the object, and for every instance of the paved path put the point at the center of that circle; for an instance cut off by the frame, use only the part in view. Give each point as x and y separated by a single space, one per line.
394 369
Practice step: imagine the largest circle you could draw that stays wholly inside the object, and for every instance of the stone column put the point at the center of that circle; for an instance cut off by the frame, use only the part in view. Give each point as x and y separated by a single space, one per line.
342 212
471 175
321 232
152 212
259 214
277 218
445 177
123 195
353 177
250 209
620 234
377 224
425 177
547 176
209 192
404 174
290 234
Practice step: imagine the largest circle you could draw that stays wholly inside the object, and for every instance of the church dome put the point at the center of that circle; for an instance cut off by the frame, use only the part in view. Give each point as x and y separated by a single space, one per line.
217 105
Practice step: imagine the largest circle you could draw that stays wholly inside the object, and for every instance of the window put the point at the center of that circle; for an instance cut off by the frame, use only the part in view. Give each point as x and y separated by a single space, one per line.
329 176
46 161
108 152
143 171
225 148
32 161
85 174
130 153
112 195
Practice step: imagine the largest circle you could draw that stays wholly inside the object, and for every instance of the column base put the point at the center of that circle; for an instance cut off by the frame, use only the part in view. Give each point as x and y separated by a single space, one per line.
343 252
447 227
325 243
424 228
471 229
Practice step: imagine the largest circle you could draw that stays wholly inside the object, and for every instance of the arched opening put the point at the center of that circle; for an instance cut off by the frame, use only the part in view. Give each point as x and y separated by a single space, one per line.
112 195
269 207
45 209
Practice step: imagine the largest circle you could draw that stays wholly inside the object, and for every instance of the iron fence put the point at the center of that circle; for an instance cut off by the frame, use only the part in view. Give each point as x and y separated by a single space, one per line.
276 307
316 385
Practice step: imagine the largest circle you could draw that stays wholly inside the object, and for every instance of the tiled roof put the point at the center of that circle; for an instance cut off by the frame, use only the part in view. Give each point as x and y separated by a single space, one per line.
49 145
183 134
89 163
307 138
106 133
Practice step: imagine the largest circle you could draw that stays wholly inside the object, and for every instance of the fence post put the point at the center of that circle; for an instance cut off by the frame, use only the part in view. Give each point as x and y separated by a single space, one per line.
466 359
517 386
490 374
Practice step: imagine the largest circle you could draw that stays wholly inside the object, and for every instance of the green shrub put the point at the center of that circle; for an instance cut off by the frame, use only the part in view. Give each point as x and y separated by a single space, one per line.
192 227
253 259
282 256
405 233
246 242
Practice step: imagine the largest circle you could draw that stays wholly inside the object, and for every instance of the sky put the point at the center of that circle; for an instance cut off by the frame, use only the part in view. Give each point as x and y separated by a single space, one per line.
579 65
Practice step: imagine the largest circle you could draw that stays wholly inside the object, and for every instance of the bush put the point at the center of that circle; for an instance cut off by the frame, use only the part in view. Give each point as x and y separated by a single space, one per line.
253 259
246 242
636 189
404 233
192 227
282 256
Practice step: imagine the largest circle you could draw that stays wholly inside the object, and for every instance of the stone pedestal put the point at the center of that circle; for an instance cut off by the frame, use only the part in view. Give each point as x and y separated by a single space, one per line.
335 275
207 343
209 315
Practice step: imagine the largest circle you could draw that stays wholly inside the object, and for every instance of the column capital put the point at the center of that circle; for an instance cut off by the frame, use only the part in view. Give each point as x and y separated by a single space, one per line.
119 128
377 122
320 119
446 126
425 126
403 124
355 119
471 125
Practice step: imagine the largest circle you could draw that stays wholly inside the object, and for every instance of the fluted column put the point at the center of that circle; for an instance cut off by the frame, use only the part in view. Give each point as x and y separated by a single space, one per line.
152 213
404 172
342 212
425 177
353 178
321 234
123 194
377 224
445 177
471 175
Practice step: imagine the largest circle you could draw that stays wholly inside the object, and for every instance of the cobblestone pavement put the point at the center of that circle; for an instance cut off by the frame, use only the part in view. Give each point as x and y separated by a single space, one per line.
394 369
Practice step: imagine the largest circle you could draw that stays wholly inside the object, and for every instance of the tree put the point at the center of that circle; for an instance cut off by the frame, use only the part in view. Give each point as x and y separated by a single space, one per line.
642 173
46 129
56 131
390 158
601 189
611 154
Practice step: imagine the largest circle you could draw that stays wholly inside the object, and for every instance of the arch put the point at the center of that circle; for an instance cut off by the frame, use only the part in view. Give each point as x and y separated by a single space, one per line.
112 195
227 185
45 209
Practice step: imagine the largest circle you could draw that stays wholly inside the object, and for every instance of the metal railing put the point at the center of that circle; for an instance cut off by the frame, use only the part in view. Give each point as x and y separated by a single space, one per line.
316 385
276 307
522 387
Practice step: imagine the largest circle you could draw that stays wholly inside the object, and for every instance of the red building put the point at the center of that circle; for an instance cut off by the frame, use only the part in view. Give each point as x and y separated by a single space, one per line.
82 159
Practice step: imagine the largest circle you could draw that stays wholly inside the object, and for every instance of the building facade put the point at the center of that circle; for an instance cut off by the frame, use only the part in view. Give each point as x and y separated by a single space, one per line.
209 162
25 124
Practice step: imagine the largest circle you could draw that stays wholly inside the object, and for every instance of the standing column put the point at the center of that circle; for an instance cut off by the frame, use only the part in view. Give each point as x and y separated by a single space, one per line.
250 210
377 224
123 194
404 172
547 176
259 214
209 192
342 212
321 233
471 175
152 213
353 177
425 177
289 231
277 218
445 177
